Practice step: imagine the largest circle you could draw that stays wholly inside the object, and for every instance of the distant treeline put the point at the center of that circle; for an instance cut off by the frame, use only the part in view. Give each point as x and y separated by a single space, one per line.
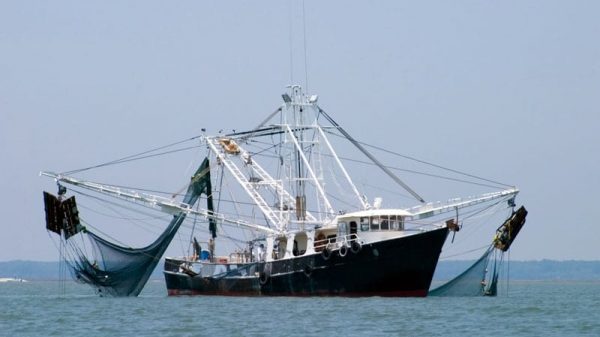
529 270
518 270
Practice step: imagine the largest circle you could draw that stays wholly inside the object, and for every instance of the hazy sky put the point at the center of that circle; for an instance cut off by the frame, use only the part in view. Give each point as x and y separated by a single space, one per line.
507 90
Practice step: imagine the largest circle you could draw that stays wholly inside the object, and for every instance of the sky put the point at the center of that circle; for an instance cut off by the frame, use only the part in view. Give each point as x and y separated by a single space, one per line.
506 90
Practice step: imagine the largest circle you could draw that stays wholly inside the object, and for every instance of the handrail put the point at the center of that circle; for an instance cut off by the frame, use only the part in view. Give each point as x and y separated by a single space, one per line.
335 242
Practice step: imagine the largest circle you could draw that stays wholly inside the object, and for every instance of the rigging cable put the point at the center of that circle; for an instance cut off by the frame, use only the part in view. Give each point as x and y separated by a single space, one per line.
62 269
424 162
463 253
369 155
507 272
193 229
121 216
438 166
432 175
136 156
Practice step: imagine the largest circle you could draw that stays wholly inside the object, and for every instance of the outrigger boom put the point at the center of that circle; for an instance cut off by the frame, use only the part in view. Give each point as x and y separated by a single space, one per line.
166 205
171 206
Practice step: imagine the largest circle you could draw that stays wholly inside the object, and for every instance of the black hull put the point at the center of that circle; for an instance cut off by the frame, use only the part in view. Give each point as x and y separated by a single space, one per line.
400 267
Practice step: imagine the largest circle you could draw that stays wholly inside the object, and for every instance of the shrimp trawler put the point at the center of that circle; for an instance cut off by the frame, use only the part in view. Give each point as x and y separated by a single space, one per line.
276 211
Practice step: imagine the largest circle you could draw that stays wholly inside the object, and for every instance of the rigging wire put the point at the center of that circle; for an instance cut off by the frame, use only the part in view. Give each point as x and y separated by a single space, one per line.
422 161
432 175
62 269
150 217
465 239
108 202
256 143
422 173
439 166
106 235
137 156
464 253
507 272
193 229
272 146
427 174
419 173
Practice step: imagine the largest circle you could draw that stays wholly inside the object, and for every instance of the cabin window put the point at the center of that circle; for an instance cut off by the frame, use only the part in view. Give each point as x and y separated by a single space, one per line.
279 248
397 223
364 224
385 222
342 229
353 230
374 223
353 227
394 223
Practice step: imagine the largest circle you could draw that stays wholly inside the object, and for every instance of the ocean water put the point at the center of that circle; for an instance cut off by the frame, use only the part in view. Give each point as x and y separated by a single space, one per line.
550 308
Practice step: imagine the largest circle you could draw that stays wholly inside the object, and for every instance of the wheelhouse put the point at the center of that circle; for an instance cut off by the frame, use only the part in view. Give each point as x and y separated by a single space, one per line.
374 220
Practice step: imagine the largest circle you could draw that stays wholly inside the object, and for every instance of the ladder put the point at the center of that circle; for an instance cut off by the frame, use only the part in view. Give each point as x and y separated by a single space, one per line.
268 180
248 186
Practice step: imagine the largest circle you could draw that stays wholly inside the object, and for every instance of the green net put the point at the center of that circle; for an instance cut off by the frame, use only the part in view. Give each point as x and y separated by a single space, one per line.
469 283
123 271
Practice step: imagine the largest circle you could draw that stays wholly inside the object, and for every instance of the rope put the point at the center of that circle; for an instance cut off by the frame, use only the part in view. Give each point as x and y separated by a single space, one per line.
507 272
464 253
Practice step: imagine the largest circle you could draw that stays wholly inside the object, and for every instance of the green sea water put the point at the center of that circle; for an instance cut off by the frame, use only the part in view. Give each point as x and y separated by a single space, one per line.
549 308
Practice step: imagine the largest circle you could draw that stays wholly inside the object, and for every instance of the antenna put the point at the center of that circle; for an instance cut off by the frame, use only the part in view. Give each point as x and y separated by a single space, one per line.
291 38
294 8
305 55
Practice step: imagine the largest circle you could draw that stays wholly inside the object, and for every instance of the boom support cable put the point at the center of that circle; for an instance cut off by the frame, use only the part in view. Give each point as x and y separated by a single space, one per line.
359 146
430 164
137 156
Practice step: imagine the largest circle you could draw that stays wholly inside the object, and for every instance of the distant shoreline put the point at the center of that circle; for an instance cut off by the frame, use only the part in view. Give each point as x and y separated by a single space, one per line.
569 270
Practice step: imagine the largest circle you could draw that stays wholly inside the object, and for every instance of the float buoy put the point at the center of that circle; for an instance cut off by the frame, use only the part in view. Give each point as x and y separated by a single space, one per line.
343 250
308 271
355 247
326 253
263 278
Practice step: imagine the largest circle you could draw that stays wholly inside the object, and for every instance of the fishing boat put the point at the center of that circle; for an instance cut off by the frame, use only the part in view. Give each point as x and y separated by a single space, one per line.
270 211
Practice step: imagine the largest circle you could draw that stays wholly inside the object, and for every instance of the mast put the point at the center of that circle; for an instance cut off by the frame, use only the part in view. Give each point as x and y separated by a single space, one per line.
298 112
299 159
296 126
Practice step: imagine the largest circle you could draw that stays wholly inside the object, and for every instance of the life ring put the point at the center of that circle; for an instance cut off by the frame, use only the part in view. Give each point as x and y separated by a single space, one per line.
343 250
355 247
263 278
308 271
326 253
